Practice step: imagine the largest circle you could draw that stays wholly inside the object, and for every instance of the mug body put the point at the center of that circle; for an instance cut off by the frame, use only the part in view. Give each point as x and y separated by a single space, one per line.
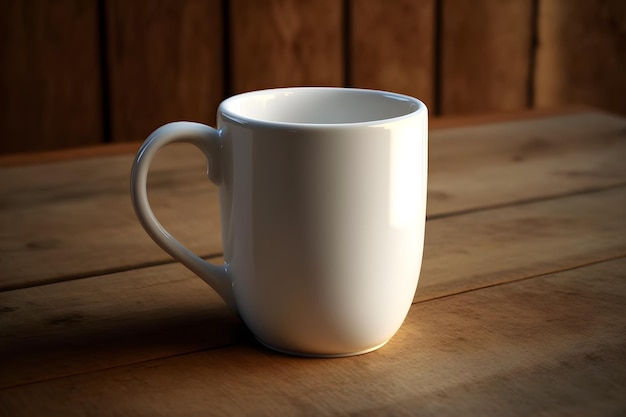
323 205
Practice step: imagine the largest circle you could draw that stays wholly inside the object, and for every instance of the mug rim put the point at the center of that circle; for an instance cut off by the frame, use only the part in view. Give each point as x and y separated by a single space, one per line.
233 116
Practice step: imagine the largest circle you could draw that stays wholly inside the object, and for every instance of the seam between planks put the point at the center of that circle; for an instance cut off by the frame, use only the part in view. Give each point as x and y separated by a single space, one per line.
97 273
73 374
526 201
514 280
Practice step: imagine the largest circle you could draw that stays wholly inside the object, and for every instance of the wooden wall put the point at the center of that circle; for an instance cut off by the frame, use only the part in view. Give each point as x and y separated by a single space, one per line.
80 72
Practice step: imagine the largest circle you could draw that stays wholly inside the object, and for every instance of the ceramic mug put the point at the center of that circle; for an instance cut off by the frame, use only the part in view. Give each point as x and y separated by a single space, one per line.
322 204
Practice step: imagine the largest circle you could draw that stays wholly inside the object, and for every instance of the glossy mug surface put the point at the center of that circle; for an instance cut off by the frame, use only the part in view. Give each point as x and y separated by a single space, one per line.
323 206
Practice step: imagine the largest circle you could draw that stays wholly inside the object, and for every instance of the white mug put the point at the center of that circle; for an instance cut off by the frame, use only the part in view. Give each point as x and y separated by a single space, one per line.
323 206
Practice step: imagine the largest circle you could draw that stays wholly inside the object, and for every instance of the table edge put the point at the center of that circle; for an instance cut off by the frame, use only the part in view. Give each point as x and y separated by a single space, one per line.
435 123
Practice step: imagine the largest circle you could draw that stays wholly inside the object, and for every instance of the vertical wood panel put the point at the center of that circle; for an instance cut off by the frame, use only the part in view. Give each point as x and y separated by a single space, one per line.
286 43
582 54
392 46
486 48
50 93
165 60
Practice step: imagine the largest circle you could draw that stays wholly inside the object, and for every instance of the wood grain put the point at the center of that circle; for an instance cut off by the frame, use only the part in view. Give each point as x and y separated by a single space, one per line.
165 64
581 57
74 219
90 324
50 75
278 43
392 46
553 343
475 250
546 158
148 313
466 120
485 53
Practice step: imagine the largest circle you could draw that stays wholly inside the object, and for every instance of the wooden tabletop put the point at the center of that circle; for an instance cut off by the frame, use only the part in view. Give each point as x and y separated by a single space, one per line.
520 309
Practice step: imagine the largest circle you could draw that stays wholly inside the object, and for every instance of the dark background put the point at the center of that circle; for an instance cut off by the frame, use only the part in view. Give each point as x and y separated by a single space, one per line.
84 72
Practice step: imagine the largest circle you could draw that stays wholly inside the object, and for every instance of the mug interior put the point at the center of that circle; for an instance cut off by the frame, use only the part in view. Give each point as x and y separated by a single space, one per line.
319 106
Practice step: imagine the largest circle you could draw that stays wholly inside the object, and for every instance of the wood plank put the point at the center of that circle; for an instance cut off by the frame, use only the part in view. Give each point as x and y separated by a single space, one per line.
550 345
400 57
165 63
50 75
485 53
74 219
145 314
581 57
466 120
279 43
475 250
83 325
499 164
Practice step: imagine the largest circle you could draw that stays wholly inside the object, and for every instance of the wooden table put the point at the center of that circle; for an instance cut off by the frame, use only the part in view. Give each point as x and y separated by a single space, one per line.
520 310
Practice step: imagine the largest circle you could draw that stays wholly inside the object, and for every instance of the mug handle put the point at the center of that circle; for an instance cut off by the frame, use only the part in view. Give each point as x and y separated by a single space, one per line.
208 140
